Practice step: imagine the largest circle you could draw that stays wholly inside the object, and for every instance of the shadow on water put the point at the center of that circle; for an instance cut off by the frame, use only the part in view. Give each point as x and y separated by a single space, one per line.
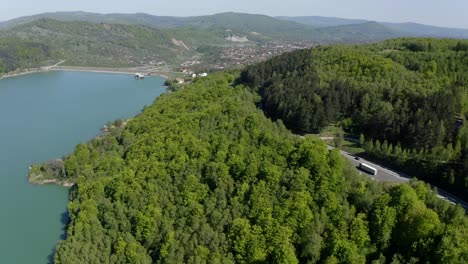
65 220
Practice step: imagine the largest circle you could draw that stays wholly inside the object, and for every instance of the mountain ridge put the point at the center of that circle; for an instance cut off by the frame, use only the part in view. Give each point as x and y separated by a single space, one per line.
282 26
321 21
91 44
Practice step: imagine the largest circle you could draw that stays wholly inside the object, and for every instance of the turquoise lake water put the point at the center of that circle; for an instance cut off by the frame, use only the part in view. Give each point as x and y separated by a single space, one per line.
42 117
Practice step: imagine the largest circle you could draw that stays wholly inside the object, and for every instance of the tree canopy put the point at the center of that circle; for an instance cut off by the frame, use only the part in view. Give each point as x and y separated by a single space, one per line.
21 54
202 176
409 97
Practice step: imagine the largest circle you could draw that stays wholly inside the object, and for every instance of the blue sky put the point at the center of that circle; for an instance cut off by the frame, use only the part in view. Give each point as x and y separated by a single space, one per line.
452 13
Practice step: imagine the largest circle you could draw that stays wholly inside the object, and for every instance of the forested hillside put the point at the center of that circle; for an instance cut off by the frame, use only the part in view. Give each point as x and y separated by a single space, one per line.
408 97
321 22
298 28
359 33
217 41
202 176
111 45
16 53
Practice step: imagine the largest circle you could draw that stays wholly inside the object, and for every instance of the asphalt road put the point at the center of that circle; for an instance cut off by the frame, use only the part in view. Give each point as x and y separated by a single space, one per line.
387 175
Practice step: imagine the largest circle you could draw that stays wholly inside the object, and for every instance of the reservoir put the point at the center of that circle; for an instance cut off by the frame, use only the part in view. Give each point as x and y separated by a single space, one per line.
44 116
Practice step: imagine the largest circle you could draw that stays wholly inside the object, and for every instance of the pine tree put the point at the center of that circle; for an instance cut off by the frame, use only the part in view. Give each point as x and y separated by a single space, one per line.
361 139
389 150
339 138
449 150
384 148
369 146
457 150
378 148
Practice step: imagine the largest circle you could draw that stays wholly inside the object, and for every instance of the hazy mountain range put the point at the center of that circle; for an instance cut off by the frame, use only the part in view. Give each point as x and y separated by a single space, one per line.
118 40
305 27
403 29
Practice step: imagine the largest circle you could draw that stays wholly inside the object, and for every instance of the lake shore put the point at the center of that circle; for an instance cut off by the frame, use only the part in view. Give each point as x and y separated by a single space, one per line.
45 116
128 71
20 73
39 179
42 174
53 181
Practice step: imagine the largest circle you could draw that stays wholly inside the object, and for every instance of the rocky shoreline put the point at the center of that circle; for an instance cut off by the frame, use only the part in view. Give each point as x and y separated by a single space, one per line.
40 180
50 172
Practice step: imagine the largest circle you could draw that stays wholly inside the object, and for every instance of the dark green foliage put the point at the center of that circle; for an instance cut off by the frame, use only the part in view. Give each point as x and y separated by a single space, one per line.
172 85
202 176
118 123
407 92
16 54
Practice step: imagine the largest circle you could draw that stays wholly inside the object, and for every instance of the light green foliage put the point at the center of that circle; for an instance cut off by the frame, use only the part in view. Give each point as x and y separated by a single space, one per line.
207 178
406 92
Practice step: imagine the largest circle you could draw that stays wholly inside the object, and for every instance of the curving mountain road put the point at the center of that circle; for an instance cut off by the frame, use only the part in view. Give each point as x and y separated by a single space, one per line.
387 175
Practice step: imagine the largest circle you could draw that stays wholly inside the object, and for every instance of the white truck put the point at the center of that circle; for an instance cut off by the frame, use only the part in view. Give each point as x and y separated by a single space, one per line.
365 167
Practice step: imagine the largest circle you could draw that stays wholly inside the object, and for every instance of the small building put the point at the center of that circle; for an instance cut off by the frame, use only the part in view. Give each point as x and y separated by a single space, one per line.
139 76
203 74
180 80
194 75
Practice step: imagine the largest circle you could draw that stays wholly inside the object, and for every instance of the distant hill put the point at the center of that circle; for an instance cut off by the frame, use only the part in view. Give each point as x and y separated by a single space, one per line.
132 19
253 27
365 32
397 29
127 19
420 30
262 27
257 27
84 43
319 21
140 39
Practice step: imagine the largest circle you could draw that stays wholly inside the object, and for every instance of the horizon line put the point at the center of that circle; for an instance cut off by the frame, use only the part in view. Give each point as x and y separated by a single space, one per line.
226 12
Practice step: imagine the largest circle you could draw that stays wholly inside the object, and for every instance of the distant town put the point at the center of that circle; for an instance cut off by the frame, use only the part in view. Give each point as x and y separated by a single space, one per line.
242 54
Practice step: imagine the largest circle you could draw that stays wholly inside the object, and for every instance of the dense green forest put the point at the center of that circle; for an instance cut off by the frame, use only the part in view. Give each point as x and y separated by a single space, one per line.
408 97
202 176
21 54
